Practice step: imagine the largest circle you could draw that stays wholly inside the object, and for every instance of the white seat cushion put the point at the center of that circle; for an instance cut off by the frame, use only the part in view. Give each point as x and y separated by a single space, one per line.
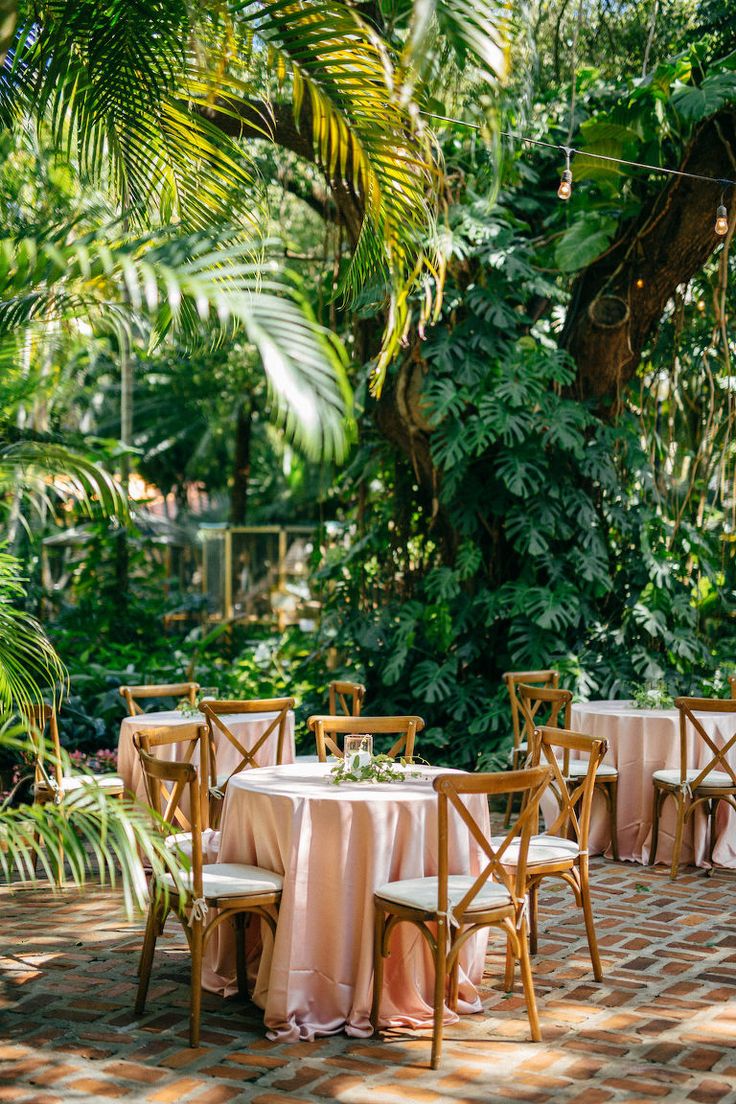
543 849
306 759
232 880
77 781
716 779
579 769
421 893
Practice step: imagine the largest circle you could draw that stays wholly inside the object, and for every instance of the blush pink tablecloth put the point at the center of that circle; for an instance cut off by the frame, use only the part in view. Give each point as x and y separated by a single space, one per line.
641 741
248 727
335 845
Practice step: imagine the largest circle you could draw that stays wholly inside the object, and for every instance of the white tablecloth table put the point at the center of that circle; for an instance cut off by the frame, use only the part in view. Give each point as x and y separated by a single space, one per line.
248 727
335 845
641 741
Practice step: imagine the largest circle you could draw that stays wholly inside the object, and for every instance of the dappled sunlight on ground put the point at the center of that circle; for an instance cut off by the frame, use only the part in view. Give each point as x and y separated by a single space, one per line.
662 1026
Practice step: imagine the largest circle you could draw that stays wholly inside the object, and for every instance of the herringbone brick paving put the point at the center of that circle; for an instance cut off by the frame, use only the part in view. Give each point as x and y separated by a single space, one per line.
661 1027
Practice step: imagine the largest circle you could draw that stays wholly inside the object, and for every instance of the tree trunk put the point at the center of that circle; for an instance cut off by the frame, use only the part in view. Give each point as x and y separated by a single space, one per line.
618 301
241 465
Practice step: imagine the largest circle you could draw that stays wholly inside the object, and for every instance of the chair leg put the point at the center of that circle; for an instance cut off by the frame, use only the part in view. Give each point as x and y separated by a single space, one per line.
153 926
533 916
510 798
195 1007
612 791
377 965
679 833
440 971
712 811
509 970
241 919
60 875
525 969
595 957
452 996
656 805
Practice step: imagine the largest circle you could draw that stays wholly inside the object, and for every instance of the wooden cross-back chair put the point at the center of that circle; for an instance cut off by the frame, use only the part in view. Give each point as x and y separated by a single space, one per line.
50 783
217 711
519 752
48 775
460 905
695 787
167 800
234 889
177 690
562 851
346 697
557 704
732 685
327 729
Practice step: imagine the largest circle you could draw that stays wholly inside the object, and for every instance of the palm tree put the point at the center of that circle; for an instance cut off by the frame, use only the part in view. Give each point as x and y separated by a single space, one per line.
154 97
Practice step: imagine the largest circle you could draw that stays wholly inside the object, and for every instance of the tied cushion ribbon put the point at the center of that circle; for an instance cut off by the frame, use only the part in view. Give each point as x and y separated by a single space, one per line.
216 792
199 910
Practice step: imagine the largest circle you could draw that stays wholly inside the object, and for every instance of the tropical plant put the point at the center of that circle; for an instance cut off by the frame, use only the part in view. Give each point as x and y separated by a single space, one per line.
87 830
147 107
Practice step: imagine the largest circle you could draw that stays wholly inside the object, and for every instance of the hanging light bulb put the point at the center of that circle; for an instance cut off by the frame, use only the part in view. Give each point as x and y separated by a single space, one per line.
721 226
565 189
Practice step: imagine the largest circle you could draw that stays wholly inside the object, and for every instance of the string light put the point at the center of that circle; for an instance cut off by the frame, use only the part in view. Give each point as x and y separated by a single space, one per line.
721 226
565 189
658 170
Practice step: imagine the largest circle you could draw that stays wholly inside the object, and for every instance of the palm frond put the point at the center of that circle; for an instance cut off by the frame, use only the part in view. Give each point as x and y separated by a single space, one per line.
98 835
108 81
28 660
476 30
49 468
363 136
200 284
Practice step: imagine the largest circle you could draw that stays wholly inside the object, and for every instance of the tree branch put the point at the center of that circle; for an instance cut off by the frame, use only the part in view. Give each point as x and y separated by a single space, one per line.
618 301
275 121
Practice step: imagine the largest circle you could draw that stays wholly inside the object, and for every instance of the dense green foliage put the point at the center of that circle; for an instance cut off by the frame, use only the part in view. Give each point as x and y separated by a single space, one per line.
550 531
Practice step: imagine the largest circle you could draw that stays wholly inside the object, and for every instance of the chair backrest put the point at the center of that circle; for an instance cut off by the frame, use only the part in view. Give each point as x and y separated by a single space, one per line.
164 776
689 708
541 705
216 711
327 729
340 692
451 788
37 718
191 738
188 690
732 684
574 798
513 679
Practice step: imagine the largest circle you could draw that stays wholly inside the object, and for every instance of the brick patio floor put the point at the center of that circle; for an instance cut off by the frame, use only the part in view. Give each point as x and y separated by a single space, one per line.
661 1027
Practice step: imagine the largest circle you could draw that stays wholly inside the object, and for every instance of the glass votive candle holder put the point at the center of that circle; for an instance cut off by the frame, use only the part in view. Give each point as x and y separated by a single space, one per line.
358 751
208 693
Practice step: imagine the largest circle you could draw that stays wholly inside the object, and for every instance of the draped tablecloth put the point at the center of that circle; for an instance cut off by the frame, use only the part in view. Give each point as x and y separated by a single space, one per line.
641 741
248 727
335 845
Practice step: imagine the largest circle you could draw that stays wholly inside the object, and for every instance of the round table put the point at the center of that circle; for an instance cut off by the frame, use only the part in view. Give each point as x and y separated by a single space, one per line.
335 845
641 741
248 727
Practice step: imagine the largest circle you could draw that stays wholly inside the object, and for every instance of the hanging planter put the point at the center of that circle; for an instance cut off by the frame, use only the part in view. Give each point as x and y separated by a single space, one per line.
609 312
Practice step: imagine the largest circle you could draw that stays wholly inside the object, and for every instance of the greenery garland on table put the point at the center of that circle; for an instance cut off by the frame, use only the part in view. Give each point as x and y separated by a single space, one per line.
380 769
